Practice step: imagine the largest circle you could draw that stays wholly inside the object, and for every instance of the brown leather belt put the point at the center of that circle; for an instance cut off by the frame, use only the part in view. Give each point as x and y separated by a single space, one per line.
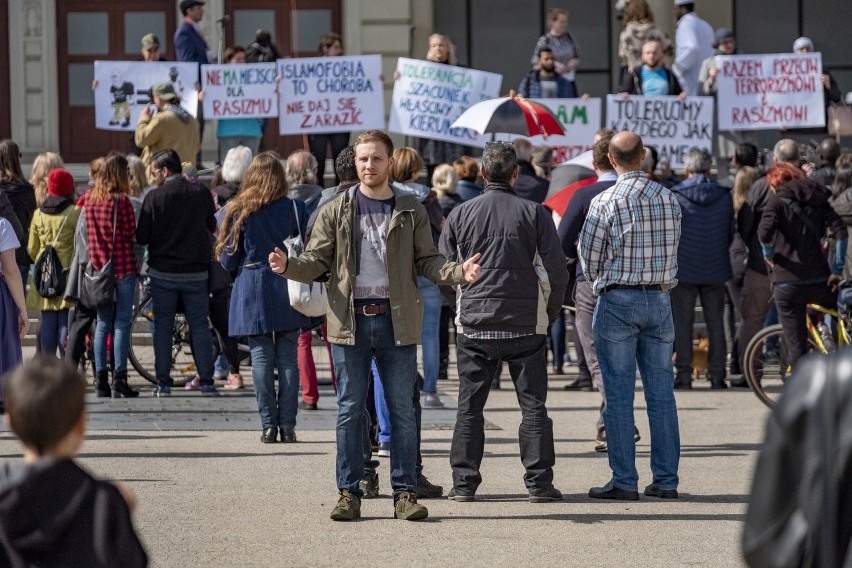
371 309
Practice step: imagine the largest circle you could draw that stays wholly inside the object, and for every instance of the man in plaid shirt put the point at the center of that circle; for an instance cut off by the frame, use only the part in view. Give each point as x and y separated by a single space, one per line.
628 249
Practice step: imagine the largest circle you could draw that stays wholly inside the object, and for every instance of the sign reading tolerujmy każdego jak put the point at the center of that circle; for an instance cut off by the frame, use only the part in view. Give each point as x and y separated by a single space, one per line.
244 90
671 124
781 90
330 94
428 97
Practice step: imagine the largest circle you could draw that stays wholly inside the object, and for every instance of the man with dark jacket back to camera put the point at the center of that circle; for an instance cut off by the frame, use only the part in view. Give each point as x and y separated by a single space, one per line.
527 184
504 317
177 224
703 266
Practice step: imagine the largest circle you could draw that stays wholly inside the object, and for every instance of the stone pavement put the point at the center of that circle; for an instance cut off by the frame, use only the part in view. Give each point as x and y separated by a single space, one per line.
210 494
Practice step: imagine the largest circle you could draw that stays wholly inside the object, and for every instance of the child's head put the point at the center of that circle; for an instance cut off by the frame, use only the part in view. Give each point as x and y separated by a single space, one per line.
45 404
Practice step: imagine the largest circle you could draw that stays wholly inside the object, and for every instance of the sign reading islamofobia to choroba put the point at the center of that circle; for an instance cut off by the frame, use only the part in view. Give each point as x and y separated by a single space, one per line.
330 94
239 91
770 91
428 97
671 124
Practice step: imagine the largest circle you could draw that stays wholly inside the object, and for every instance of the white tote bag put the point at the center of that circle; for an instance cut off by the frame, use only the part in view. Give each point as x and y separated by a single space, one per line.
309 299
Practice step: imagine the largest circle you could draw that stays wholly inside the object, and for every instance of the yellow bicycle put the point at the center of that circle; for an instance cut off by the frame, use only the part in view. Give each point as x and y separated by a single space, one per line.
765 364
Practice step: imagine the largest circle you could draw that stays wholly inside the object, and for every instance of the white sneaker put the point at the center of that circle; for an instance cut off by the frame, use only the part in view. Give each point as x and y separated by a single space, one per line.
432 401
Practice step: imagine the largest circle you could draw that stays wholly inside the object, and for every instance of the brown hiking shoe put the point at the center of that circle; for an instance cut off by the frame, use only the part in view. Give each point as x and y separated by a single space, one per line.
348 507
407 508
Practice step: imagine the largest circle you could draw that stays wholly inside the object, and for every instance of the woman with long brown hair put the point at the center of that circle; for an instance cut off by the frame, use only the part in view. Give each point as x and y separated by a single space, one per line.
21 196
111 229
257 220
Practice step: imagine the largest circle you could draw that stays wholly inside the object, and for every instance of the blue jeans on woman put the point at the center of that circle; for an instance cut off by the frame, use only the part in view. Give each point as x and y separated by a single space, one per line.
430 332
398 369
52 331
630 327
115 319
382 412
269 352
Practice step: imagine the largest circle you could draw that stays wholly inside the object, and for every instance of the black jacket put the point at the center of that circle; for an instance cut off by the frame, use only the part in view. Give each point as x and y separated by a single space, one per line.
632 82
53 513
177 224
798 249
798 512
748 219
524 275
530 186
574 217
22 196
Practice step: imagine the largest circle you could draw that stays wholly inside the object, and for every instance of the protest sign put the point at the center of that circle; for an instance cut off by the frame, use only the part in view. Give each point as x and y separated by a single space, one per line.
579 119
670 124
245 90
770 91
330 94
428 97
124 88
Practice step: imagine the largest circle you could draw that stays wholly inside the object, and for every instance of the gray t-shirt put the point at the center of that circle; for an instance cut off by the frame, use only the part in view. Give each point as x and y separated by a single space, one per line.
374 216
549 88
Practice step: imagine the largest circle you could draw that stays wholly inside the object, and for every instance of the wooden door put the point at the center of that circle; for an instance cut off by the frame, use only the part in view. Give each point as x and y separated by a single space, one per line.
89 30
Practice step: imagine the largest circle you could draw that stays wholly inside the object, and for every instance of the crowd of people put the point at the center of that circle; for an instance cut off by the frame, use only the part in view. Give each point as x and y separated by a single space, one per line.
400 259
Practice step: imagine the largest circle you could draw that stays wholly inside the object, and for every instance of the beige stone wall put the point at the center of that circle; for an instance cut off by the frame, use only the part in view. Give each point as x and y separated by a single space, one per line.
33 73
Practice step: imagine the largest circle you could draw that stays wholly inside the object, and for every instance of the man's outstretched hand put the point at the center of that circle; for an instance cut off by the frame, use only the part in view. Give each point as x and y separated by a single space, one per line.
278 261
471 269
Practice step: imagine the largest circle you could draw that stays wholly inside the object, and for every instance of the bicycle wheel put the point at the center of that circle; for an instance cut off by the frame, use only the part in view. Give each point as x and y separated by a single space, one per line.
765 363
141 351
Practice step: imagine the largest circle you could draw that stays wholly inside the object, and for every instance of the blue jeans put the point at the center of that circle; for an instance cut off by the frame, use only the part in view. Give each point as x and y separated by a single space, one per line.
52 331
635 326
557 339
382 412
165 293
398 369
269 352
116 320
430 332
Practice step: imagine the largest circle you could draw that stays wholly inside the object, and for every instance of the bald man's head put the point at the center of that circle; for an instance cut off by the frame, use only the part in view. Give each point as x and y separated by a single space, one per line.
626 151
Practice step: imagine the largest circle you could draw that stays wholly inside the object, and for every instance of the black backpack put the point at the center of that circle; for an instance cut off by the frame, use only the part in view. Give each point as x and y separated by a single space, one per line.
49 277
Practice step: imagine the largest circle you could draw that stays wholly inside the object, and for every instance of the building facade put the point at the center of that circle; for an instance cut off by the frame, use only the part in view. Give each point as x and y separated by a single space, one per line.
46 101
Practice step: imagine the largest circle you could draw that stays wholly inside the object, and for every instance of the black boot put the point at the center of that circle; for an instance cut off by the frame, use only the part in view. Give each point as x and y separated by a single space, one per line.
120 388
102 387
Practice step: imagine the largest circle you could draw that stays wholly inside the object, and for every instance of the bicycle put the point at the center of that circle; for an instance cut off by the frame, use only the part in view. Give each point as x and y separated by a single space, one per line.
183 368
765 364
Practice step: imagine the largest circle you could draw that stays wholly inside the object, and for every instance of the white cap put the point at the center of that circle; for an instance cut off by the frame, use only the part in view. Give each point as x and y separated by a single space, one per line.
682 2
802 43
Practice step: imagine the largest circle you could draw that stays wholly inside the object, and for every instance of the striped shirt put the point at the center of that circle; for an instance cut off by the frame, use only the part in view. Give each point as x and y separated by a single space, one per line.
631 235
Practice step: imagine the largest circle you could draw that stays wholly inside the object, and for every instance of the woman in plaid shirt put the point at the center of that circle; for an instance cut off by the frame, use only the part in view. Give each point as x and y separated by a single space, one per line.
112 186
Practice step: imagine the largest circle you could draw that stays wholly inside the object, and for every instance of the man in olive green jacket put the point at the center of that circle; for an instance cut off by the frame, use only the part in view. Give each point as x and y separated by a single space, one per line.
172 128
374 241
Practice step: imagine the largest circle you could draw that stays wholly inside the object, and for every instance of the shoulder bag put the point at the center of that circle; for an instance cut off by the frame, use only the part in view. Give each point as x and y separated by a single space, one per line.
97 287
309 298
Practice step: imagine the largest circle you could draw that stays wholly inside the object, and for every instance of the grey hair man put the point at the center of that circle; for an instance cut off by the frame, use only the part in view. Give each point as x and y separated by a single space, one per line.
756 293
703 266
528 184
504 317
302 178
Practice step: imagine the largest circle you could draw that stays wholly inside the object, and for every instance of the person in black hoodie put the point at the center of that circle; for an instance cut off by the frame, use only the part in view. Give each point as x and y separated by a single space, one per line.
796 216
22 197
53 512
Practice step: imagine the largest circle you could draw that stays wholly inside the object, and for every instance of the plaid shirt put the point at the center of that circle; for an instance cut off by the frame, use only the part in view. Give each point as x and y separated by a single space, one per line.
631 234
99 231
